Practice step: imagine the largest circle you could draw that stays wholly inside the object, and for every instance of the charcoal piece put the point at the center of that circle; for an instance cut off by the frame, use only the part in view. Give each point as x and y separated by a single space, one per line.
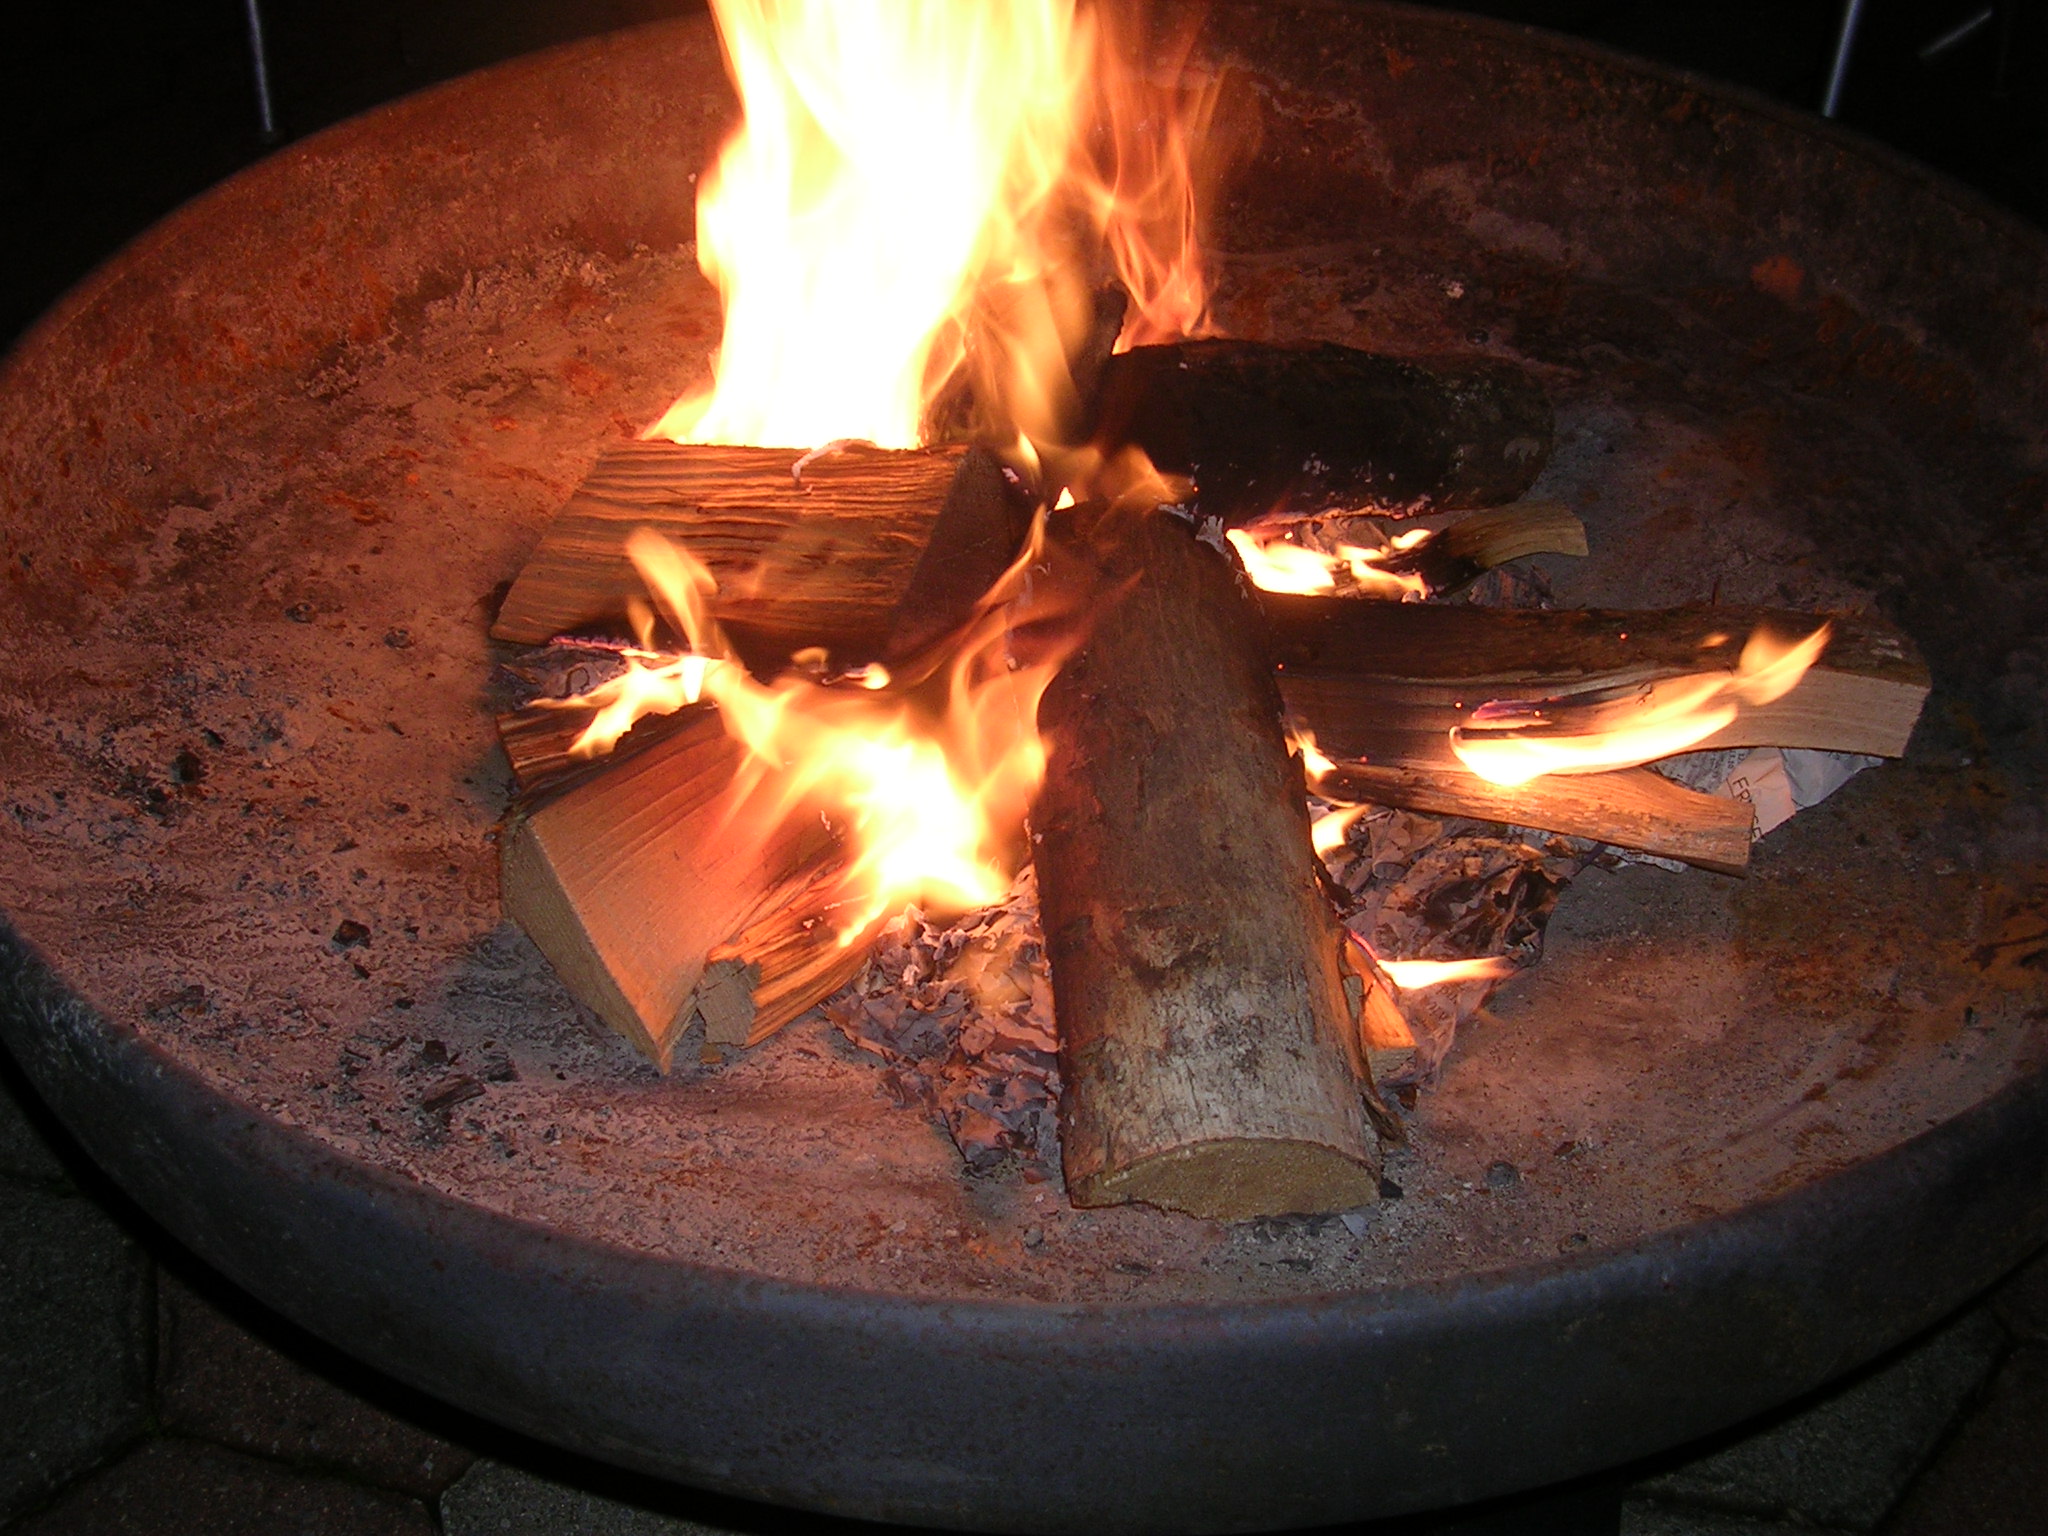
1266 429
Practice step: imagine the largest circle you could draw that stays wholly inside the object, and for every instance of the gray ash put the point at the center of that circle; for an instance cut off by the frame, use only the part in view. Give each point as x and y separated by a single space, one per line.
961 1013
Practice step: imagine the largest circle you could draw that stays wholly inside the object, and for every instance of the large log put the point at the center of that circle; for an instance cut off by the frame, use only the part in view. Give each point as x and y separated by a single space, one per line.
1208 1051
1387 682
1263 428
867 552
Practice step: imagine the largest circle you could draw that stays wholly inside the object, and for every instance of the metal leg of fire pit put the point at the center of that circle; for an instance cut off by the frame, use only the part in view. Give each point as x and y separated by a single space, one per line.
259 60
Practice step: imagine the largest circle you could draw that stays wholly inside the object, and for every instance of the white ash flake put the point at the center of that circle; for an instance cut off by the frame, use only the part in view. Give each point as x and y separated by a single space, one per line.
962 1015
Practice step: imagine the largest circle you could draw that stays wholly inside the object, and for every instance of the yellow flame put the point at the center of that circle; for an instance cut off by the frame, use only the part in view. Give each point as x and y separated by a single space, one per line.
919 185
1275 564
1328 831
1314 761
930 776
1511 743
1410 974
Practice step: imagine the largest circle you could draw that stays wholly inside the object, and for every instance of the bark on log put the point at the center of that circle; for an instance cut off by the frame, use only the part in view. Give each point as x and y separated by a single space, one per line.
1386 682
868 552
1263 428
1209 1057
625 879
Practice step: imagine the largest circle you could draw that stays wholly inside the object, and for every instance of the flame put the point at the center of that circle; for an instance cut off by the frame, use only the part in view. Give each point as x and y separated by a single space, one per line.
1275 564
1327 833
1410 974
930 775
1315 761
1510 742
925 188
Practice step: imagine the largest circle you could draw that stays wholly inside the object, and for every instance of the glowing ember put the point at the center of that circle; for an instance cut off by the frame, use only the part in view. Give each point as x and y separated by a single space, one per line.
1510 742
1275 564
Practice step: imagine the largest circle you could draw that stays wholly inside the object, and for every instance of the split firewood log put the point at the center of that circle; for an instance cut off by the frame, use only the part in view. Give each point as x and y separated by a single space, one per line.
869 553
1264 428
785 962
1207 1046
627 878
1387 682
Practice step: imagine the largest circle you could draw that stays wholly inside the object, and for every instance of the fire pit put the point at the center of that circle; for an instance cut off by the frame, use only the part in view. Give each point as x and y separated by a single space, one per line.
268 474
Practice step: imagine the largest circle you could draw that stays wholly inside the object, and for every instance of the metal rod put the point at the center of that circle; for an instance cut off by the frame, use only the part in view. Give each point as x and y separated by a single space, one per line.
259 57
1955 35
1852 18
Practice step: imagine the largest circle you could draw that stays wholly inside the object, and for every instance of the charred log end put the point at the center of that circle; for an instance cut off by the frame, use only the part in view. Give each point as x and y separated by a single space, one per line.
1235 1179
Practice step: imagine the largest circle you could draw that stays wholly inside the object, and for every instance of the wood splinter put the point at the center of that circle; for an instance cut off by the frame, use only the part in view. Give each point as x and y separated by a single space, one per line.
1207 1046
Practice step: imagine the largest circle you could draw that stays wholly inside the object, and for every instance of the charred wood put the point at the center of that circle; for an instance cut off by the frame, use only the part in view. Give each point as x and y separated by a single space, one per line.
1264 428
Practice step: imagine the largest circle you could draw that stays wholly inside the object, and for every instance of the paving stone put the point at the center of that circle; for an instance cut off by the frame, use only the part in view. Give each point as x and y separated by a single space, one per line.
2022 1302
1845 1460
73 1326
23 1152
183 1488
217 1381
1992 1478
493 1499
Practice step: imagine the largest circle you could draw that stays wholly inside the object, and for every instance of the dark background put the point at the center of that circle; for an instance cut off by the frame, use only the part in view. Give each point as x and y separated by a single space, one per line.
112 112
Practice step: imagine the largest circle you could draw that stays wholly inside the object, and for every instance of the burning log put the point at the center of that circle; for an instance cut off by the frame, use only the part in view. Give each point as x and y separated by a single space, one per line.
1389 683
1632 808
870 553
1207 1046
627 878
1263 428
1349 556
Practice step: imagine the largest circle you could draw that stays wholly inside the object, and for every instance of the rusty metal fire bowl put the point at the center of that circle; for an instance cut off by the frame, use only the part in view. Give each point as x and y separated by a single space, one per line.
263 474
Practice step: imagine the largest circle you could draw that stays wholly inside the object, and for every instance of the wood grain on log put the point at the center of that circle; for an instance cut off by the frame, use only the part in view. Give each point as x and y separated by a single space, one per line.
1387 682
788 959
1456 556
870 553
1264 428
626 879
1210 1061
